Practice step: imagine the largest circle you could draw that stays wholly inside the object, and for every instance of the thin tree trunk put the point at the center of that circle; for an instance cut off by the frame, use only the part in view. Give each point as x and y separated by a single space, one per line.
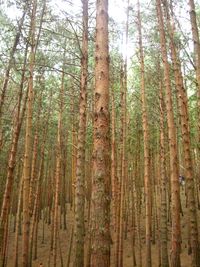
114 181
123 175
174 169
33 171
36 201
184 120
17 223
58 173
113 165
119 174
147 183
12 156
28 141
163 189
9 67
196 42
80 166
70 247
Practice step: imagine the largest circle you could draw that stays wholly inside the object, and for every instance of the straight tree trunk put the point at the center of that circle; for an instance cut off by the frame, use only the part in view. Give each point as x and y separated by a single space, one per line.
72 183
16 262
163 188
37 192
196 42
123 158
58 172
119 175
100 202
33 171
80 166
184 120
28 143
173 151
147 183
35 156
133 217
114 181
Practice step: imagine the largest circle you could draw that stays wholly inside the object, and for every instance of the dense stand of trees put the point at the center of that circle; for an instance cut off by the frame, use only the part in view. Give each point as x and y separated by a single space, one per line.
99 133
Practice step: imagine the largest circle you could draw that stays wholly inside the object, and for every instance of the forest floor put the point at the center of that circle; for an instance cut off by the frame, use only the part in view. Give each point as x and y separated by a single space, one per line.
45 257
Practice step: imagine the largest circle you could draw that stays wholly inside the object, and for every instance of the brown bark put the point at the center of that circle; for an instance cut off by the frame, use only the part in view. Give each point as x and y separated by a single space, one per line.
123 157
13 155
184 120
64 176
196 42
113 163
16 264
114 181
119 175
72 185
133 217
9 67
33 172
80 166
100 202
121 172
137 197
174 169
163 188
58 173
146 148
28 141
33 228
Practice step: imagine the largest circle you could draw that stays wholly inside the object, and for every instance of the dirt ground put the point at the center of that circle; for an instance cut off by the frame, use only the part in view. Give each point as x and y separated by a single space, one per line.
45 256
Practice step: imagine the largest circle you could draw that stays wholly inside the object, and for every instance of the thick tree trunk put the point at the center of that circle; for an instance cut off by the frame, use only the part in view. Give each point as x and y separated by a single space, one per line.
100 202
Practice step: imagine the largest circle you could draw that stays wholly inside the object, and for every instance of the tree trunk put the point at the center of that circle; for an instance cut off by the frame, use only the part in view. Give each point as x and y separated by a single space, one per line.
58 172
80 166
163 188
7 73
13 155
100 202
146 149
174 169
17 224
196 42
28 142
184 120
